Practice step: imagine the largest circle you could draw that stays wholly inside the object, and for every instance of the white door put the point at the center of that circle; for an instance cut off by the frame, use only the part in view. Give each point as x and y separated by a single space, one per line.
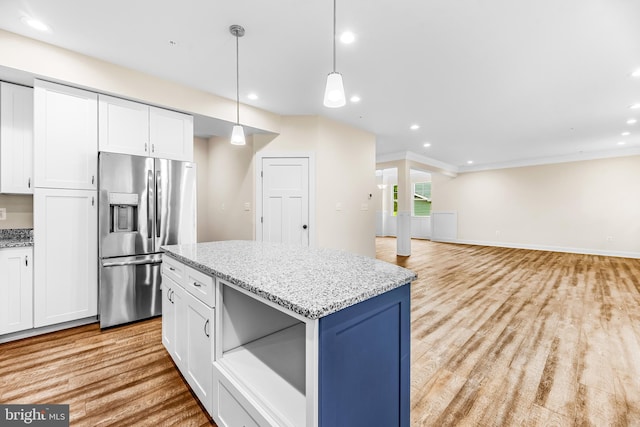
171 134
198 369
285 200
16 286
65 137
123 126
168 315
16 139
66 249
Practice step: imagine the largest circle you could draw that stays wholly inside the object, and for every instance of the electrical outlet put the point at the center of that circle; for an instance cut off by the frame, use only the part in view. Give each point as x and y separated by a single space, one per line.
364 207
3 214
609 238
338 206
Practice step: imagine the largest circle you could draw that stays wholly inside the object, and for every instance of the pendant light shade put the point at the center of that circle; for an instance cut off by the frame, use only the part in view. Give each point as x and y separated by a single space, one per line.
334 92
237 135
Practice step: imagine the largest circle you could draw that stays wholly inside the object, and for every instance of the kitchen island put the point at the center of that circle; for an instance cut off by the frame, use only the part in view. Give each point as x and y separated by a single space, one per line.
276 335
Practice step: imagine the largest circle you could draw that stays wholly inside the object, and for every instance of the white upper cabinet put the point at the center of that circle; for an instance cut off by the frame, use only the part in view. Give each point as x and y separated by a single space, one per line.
129 127
65 137
171 134
16 139
123 126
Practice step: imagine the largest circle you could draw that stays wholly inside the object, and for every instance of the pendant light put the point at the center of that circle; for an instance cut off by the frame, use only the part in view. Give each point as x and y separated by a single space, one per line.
334 92
237 135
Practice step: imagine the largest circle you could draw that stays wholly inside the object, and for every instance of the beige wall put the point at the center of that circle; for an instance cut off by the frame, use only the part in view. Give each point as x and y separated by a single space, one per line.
201 159
227 187
65 66
19 211
588 206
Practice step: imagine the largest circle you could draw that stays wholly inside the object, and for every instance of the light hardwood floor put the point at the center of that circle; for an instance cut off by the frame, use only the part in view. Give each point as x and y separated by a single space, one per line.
500 337
509 337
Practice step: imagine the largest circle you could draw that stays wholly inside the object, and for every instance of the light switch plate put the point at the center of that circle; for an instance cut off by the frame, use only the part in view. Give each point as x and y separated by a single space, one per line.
247 206
3 214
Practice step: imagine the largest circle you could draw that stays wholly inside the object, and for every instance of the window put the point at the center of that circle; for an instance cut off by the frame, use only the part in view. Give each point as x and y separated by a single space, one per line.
395 200
421 199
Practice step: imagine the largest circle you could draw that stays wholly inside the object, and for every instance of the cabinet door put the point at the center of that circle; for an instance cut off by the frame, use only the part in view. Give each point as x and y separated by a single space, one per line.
180 312
194 330
171 134
65 137
16 139
168 315
123 126
16 286
66 250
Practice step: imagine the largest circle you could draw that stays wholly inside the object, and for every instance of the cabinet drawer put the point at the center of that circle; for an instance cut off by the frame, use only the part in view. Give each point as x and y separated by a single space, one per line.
200 285
231 413
172 268
231 408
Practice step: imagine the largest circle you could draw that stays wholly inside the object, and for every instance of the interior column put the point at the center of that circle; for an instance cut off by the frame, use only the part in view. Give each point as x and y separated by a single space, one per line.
403 239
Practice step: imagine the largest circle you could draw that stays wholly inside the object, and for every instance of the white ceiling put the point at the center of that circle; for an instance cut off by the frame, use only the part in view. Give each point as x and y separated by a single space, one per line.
493 81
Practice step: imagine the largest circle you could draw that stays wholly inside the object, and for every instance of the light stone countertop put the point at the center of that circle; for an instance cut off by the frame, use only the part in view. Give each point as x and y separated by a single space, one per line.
16 238
309 281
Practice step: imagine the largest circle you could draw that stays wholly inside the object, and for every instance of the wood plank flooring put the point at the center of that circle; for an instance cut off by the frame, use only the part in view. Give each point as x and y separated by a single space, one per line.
117 377
509 337
500 337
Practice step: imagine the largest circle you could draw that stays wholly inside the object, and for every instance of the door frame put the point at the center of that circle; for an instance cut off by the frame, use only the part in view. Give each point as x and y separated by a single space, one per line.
312 189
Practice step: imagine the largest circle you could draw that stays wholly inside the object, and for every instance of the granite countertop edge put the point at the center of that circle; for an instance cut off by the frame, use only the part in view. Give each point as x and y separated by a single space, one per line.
310 313
16 238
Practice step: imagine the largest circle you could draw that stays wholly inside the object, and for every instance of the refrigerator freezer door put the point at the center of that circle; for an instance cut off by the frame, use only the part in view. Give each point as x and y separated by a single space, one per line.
126 186
129 289
175 207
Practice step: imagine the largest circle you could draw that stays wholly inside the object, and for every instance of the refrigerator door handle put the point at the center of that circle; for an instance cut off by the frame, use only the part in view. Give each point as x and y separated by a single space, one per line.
158 203
149 204
136 262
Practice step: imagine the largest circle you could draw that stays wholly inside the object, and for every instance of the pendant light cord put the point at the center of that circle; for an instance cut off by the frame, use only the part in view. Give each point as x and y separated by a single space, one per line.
238 80
334 36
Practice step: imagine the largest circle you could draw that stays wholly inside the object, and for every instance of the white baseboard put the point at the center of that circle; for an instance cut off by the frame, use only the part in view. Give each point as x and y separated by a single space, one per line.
27 333
620 254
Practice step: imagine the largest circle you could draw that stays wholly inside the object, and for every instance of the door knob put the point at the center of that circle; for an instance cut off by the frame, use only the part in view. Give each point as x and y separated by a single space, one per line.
304 226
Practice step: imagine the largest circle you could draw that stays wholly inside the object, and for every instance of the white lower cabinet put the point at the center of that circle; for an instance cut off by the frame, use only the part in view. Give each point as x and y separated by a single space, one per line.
187 330
194 326
16 289
169 316
66 249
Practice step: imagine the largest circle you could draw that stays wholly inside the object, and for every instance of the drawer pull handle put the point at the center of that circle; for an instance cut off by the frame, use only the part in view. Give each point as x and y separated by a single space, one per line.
172 269
196 284
205 328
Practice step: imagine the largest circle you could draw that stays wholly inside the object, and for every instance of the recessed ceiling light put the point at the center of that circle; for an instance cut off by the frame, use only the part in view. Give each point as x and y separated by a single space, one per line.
635 106
621 142
35 24
636 73
469 162
632 121
354 99
625 133
426 144
252 96
415 127
347 37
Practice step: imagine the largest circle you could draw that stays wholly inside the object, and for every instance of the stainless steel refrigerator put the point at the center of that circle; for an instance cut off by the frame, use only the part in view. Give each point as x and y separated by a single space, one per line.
144 203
